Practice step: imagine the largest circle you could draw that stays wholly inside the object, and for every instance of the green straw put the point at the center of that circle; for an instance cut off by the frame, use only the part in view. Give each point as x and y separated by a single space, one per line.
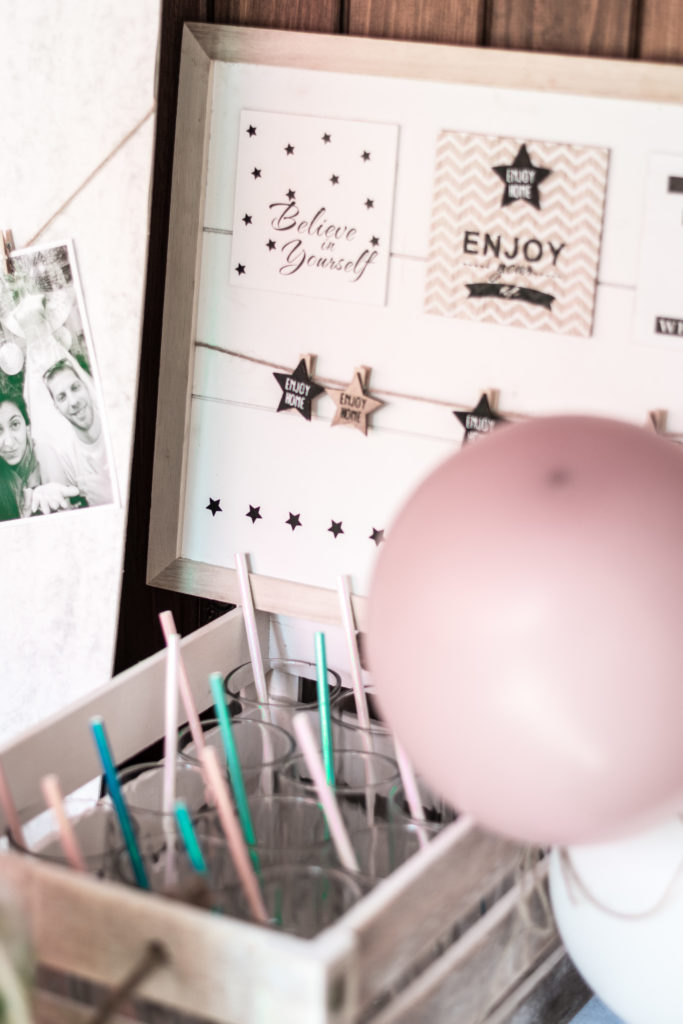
189 837
233 761
324 707
104 751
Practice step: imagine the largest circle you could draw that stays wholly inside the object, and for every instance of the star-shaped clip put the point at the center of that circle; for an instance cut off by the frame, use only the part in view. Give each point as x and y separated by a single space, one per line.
353 404
299 388
521 179
480 420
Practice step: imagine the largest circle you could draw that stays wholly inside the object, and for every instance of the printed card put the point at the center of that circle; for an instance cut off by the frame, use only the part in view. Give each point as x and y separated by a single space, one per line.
313 206
515 233
659 296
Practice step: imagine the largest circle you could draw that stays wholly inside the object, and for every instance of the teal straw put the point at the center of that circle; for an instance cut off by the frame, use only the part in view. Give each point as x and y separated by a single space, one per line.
103 749
189 837
233 761
324 707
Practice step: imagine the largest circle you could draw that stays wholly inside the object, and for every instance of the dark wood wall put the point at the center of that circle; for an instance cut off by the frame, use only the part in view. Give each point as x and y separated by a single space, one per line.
639 29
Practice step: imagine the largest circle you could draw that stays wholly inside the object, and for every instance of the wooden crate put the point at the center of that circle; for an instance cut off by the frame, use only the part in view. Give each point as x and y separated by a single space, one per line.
407 944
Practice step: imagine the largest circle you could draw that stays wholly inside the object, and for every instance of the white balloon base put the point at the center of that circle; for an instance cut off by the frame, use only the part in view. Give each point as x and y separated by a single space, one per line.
619 910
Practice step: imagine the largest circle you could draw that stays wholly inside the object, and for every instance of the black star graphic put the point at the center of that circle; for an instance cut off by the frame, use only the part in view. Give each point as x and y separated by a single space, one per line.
256 173
365 155
247 218
298 390
335 179
251 130
327 138
241 269
377 536
294 520
335 529
521 179
291 194
214 506
289 149
478 421
369 203
374 240
271 244
254 513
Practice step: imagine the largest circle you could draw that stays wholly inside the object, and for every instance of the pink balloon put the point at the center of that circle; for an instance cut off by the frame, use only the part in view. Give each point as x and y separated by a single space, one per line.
525 629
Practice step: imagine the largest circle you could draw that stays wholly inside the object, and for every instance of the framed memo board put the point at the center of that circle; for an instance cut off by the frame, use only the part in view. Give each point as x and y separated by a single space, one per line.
368 238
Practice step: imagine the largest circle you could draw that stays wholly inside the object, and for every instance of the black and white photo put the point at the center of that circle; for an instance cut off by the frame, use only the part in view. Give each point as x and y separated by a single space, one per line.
54 453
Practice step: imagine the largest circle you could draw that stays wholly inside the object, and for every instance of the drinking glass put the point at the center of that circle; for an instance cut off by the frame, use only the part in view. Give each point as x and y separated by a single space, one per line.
301 899
364 783
290 685
262 748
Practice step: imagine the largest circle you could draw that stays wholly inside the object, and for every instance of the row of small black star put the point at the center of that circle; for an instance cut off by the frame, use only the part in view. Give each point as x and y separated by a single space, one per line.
294 520
325 137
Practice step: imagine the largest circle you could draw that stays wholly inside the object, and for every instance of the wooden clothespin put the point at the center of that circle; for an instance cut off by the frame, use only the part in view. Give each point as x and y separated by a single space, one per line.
309 360
492 396
364 374
6 250
656 420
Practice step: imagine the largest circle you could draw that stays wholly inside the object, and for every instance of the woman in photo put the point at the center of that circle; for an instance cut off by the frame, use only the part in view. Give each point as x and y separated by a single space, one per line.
34 488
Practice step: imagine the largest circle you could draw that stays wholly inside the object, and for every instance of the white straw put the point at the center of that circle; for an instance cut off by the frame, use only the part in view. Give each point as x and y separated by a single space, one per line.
67 837
326 795
250 626
215 780
168 628
360 697
411 791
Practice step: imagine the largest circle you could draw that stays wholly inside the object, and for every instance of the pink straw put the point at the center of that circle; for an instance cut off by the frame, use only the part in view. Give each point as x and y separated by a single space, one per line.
326 795
170 754
360 697
9 809
168 628
67 837
233 833
411 791
250 625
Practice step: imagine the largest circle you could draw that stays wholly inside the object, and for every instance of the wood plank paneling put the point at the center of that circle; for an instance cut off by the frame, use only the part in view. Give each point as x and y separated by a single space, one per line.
661 30
303 15
427 21
602 28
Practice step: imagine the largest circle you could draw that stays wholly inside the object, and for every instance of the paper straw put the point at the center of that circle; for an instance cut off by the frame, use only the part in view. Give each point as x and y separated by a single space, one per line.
170 755
67 837
189 837
168 628
411 791
250 626
324 707
326 795
9 809
233 761
233 833
359 694
100 737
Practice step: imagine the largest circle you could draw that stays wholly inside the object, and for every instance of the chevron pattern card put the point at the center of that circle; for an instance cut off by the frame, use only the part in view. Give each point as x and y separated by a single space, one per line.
313 206
515 232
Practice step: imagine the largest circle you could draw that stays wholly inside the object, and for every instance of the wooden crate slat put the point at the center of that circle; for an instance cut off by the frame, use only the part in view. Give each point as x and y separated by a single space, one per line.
132 708
53 1009
397 924
473 976
221 968
553 992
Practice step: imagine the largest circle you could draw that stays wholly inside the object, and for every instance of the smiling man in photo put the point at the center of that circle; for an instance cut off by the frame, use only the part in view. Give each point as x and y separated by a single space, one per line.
84 460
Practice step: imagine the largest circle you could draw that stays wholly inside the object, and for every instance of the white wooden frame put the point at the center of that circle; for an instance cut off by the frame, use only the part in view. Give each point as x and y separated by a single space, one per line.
202 46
